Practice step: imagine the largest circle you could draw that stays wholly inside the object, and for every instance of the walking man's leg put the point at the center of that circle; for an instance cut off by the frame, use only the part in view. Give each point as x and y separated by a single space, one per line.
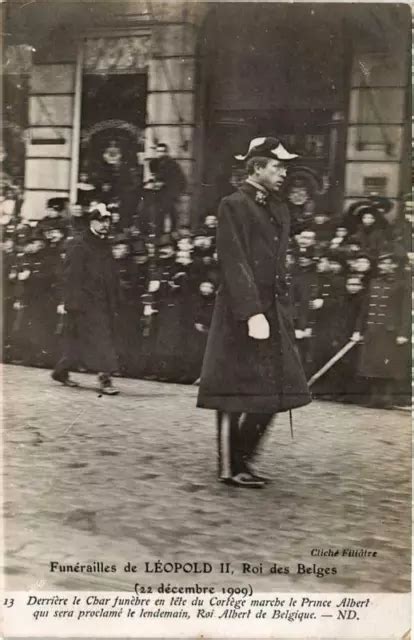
227 440
105 385
69 356
253 427
231 452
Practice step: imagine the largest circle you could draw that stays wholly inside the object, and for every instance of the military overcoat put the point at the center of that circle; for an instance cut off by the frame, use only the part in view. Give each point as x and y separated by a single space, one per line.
241 373
385 316
92 296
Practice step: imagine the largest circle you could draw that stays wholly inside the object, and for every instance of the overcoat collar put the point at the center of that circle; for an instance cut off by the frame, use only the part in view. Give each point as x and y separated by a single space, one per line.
272 204
256 185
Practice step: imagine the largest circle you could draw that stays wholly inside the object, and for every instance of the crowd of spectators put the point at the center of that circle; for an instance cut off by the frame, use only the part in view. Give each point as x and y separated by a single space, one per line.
349 281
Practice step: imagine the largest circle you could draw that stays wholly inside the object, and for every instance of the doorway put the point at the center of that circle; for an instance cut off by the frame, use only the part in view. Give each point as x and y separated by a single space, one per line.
112 138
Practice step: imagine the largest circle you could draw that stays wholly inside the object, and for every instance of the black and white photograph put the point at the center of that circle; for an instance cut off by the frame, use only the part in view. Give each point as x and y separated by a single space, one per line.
206 216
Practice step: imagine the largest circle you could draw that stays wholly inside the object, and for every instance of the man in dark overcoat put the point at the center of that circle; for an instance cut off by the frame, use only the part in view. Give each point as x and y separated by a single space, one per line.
91 295
251 368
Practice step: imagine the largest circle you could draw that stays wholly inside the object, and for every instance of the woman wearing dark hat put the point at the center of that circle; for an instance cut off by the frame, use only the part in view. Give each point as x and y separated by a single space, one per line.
371 228
91 295
252 369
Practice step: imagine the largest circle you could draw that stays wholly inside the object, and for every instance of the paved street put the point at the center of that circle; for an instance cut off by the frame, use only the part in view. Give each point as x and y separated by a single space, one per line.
133 478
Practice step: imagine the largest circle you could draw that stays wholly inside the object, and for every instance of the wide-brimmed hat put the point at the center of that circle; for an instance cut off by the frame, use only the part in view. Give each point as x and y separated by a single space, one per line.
377 205
267 148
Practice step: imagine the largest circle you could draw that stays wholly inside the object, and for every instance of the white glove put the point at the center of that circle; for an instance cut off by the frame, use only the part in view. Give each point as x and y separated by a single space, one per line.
153 286
316 304
17 305
149 310
308 332
401 340
259 328
23 275
356 336
61 309
299 334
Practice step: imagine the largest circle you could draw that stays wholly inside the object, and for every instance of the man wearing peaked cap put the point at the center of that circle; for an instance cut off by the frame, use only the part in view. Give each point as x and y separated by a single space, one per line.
252 368
91 294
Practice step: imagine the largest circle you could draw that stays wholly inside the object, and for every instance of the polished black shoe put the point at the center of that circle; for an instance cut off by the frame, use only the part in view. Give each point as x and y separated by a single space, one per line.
109 390
64 379
244 479
105 386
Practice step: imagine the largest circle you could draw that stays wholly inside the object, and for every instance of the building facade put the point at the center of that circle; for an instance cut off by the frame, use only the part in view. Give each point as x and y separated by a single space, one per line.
92 84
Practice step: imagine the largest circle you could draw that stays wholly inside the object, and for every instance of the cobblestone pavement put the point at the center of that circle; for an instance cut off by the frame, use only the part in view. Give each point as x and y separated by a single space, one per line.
132 478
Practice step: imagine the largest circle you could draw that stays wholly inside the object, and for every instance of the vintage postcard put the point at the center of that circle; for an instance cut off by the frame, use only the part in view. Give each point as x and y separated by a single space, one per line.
206 217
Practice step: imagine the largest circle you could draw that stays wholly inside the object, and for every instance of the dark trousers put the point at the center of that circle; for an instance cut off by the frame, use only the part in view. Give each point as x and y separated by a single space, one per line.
65 365
75 335
238 437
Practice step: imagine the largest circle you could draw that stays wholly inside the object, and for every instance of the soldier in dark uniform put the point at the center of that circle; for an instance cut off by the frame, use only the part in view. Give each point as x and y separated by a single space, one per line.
169 327
124 330
52 269
252 369
203 306
152 208
326 330
199 261
31 290
169 173
350 388
304 281
140 324
91 298
386 321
